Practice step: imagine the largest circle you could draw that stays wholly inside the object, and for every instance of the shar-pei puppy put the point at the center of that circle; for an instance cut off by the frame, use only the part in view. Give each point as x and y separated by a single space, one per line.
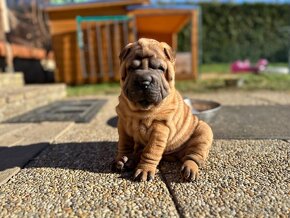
154 122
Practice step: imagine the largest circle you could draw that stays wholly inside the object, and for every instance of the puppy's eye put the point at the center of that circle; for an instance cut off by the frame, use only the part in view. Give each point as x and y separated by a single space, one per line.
135 64
161 68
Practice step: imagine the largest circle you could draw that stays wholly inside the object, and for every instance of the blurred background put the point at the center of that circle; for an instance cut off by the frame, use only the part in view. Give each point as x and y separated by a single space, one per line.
226 44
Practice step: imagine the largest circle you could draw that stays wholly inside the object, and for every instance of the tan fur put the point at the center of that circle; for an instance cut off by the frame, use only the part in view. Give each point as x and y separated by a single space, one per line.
165 130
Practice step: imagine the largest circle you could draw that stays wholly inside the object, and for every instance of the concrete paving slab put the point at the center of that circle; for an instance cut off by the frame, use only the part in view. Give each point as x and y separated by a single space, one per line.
75 179
252 122
19 147
6 174
34 133
2 102
14 137
6 128
242 178
275 97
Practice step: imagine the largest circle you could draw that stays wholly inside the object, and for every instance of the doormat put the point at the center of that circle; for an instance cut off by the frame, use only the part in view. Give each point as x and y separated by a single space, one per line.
79 111
252 122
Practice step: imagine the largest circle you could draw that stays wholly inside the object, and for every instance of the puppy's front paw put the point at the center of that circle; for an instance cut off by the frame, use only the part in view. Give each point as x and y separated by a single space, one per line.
189 170
144 174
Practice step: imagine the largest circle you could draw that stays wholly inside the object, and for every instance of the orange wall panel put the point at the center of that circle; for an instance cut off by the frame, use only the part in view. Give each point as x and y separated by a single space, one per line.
162 37
161 23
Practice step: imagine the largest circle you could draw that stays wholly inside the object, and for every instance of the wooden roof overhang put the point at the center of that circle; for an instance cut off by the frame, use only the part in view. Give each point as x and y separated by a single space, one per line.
62 17
162 19
164 22
89 5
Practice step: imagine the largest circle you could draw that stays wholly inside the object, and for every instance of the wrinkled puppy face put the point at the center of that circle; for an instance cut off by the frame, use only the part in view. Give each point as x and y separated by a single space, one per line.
145 75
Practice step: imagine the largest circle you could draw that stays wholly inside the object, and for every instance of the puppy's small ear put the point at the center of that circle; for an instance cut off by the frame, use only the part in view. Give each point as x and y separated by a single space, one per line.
168 52
124 53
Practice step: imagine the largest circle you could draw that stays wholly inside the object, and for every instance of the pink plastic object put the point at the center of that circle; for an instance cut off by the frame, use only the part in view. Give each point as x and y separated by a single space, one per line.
262 64
246 67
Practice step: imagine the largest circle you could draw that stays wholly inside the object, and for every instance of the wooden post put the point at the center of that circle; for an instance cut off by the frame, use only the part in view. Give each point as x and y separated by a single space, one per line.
117 50
100 51
194 44
6 29
109 51
174 41
92 71
81 44
132 32
67 58
105 53
57 42
125 32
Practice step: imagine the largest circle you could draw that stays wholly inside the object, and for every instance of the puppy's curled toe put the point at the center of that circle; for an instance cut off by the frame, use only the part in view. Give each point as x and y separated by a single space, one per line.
143 175
119 164
189 170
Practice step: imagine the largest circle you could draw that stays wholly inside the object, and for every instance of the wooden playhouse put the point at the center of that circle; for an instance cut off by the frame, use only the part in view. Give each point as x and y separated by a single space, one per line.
87 38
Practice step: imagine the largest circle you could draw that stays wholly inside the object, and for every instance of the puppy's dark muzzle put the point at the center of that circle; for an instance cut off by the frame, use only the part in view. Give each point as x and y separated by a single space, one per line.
145 86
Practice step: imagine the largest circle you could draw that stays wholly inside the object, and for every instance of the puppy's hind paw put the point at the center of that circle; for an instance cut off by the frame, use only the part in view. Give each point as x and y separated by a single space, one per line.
189 170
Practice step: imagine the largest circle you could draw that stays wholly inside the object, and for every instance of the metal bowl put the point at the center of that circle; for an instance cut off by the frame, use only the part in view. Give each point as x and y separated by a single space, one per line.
203 109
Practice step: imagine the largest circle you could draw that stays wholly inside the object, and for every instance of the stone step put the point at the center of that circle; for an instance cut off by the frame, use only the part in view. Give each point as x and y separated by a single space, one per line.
17 100
11 80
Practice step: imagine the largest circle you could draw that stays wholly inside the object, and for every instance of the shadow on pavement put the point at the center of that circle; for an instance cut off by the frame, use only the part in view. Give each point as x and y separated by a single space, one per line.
87 156
113 121
96 157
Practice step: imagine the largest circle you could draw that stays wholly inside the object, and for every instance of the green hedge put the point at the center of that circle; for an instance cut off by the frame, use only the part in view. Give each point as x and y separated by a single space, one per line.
231 32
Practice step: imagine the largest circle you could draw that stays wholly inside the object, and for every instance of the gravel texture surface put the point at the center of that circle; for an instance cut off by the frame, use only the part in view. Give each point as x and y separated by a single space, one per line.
76 180
74 177
242 178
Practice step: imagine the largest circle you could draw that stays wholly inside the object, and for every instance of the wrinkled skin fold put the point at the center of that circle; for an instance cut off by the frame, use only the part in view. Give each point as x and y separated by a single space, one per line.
154 122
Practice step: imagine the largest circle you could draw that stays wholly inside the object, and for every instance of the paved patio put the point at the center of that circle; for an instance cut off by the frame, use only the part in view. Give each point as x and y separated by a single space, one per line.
64 169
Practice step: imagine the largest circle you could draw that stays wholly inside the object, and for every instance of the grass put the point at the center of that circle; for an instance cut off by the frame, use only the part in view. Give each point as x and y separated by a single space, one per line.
251 82
275 82
220 68
93 89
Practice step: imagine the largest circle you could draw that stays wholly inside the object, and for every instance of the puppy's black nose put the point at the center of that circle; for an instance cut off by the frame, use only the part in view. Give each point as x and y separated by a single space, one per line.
145 84
145 81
